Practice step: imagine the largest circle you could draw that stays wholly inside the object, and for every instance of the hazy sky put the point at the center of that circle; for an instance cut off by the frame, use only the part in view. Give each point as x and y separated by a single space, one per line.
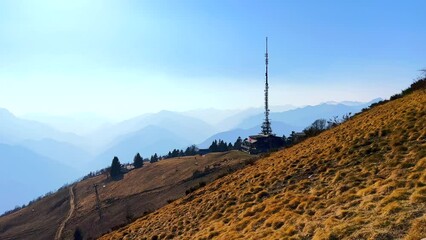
123 58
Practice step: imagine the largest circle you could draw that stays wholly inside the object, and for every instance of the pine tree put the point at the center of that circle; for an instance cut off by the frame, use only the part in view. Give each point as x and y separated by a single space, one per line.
230 147
175 153
237 144
222 146
187 152
154 158
115 167
192 150
138 161
214 147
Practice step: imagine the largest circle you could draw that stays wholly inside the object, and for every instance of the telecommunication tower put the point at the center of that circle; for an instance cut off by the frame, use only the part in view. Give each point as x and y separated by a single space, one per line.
266 126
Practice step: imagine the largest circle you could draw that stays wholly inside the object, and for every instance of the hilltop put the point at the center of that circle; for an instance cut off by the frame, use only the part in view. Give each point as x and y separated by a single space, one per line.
364 179
138 193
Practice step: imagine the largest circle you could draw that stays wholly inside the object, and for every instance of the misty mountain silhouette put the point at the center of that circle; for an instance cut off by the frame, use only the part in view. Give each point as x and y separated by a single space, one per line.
147 141
303 117
26 175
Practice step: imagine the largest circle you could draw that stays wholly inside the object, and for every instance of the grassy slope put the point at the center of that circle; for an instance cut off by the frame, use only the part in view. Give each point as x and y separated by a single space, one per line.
140 191
365 179
49 211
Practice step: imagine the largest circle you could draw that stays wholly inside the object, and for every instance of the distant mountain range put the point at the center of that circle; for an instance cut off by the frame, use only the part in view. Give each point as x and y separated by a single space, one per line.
25 175
147 141
31 141
80 124
14 129
285 122
149 134
350 182
62 152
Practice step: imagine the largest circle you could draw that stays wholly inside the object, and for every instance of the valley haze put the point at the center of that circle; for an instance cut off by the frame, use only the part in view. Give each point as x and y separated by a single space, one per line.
78 154
83 82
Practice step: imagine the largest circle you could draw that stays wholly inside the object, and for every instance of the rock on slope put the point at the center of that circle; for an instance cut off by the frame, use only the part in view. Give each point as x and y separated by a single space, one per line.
365 179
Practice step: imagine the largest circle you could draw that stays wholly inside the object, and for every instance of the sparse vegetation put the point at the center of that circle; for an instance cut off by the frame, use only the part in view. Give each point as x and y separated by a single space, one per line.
121 201
138 161
362 179
154 158
115 170
194 188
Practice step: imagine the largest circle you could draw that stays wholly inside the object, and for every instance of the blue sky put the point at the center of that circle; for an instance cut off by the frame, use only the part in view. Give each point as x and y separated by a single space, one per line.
124 58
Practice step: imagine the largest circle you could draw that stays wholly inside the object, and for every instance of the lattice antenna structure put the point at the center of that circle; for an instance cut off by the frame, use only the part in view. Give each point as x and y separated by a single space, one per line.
266 126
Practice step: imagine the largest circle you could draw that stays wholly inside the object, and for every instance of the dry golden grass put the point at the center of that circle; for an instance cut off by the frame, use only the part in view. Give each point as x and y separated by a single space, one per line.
139 192
365 179
22 225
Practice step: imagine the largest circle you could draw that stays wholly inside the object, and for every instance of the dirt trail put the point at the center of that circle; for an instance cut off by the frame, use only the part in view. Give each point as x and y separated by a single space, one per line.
58 234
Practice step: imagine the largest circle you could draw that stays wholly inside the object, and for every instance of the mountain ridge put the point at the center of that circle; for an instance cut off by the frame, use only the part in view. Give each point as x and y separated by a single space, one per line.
362 179
29 175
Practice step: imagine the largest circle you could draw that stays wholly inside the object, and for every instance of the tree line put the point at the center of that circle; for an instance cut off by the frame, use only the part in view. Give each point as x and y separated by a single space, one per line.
138 161
314 129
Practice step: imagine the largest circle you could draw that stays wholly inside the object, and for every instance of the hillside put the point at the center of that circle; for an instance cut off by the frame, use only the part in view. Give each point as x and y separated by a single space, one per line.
139 192
364 179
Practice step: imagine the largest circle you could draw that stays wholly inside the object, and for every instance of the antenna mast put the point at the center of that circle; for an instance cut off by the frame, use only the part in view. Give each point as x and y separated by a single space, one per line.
266 126
98 201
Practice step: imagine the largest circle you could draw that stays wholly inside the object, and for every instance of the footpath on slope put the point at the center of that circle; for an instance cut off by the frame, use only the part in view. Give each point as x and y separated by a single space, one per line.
70 213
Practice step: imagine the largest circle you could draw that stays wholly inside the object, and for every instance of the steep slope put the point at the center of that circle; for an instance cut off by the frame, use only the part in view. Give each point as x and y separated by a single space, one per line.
23 224
140 191
365 179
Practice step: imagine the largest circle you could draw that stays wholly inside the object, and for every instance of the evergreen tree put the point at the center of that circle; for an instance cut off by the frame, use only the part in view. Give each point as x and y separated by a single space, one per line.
175 153
154 158
237 144
214 147
115 167
187 152
230 147
192 150
138 161
285 140
292 138
221 146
